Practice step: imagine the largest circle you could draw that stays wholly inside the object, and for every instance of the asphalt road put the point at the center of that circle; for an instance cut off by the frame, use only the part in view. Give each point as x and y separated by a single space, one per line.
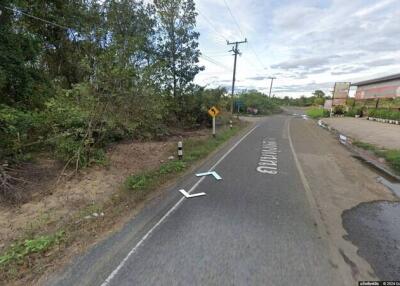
251 228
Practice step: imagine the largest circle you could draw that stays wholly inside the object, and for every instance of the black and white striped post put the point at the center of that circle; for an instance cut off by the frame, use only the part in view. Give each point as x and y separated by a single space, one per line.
230 124
180 150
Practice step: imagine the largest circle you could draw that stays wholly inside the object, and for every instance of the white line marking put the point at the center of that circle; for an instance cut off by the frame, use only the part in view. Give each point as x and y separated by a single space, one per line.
171 210
187 195
216 176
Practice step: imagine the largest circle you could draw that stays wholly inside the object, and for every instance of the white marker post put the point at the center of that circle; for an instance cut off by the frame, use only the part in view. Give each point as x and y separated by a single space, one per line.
230 124
180 151
213 122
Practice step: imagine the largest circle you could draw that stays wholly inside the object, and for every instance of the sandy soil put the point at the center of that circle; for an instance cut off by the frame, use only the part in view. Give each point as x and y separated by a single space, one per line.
338 182
380 134
49 200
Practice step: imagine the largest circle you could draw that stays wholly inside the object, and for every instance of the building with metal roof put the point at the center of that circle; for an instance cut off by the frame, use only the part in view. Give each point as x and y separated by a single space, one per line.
383 87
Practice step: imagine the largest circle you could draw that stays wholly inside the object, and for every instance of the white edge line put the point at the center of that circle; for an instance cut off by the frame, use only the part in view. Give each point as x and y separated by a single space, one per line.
171 210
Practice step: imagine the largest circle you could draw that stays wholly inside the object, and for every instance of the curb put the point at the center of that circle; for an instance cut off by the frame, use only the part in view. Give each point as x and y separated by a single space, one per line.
390 121
348 143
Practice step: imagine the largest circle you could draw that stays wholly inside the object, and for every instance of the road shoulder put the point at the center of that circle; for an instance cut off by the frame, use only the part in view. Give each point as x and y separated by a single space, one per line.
338 182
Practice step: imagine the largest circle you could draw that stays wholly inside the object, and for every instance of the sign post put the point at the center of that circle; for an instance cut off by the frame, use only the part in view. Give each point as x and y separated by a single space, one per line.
213 112
213 123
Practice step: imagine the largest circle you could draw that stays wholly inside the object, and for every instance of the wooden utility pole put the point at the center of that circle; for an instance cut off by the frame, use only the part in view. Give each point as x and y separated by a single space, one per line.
235 50
270 87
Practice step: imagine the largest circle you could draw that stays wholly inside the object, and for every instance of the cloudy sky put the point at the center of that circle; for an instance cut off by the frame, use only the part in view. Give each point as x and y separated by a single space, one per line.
305 44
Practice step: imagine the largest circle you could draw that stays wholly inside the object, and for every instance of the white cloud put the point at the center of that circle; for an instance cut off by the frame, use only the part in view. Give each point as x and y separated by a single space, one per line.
303 42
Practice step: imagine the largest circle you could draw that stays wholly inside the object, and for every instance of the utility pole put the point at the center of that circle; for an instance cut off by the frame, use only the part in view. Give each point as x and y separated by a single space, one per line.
235 50
270 87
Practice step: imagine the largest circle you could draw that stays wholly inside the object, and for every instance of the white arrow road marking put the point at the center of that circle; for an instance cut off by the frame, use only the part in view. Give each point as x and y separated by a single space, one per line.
187 195
168 213
216 176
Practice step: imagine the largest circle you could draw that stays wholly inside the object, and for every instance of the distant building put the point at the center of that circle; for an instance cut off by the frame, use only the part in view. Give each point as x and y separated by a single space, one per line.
383 87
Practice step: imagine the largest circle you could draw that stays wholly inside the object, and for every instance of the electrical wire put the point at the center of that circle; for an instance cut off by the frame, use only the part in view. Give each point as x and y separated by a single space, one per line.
35 17
259 61
209 22
215 62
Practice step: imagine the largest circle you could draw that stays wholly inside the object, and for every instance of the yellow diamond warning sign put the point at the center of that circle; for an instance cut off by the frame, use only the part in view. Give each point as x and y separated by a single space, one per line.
213 111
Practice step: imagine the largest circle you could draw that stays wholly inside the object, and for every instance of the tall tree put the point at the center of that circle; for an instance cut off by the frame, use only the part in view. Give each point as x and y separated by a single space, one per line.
63 36
319 93
21 81
178 46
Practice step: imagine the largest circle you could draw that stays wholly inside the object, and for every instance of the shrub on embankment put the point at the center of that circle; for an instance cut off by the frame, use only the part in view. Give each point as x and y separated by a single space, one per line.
315 112
384 114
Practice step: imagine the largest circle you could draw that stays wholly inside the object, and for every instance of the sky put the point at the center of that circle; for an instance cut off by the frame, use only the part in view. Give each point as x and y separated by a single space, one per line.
305 44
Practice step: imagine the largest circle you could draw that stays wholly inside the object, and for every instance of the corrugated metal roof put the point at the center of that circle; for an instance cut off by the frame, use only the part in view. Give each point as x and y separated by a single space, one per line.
377 80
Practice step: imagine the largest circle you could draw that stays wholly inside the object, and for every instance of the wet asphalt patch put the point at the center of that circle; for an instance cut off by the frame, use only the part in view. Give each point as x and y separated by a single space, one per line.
375 229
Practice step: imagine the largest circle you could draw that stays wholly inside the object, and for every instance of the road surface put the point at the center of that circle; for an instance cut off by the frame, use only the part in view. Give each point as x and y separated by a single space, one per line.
256 226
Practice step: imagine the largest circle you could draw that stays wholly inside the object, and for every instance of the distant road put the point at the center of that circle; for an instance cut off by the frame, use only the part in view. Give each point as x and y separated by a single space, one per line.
295 110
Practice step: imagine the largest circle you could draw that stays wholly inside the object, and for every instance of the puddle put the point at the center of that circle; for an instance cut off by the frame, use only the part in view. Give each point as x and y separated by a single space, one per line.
375 229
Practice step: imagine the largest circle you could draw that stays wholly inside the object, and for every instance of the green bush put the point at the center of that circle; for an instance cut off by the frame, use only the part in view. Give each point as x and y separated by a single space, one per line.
18 128
317 112
338 109
352 112
255 99
384 114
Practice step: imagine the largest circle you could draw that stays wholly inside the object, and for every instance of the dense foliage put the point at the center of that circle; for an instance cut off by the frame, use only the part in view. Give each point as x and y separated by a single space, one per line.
318 98
384 114
96 71
256 102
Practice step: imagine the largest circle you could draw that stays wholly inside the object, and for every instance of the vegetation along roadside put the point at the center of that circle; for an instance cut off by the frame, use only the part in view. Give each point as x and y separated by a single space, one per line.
392 157
49 246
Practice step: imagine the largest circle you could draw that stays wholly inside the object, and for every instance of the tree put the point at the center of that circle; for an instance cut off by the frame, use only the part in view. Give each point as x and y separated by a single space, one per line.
21 82
319 94
178 47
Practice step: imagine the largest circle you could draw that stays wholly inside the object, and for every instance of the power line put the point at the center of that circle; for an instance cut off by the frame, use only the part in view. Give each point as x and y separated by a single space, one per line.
240 30
234 19
215 62
34 17
258 58
209 22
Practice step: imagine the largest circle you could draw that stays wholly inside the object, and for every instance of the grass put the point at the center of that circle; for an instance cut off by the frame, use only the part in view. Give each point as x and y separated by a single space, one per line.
317 112
18 251
194 150
46 243
392 156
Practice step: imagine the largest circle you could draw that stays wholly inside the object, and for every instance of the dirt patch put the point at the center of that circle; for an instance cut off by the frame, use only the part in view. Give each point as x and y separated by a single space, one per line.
32 179
48 202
